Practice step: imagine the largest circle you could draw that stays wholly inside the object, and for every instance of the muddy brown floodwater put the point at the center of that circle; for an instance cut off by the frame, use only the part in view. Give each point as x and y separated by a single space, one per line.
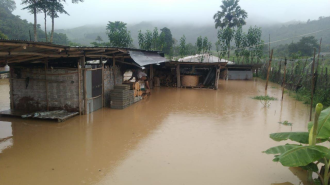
176 136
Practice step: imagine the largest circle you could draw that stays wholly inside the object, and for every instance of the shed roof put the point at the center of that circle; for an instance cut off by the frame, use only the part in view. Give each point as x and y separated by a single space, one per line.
207 59
18 51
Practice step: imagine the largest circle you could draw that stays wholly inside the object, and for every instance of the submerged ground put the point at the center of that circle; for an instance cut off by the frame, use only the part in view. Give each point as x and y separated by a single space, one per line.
176 136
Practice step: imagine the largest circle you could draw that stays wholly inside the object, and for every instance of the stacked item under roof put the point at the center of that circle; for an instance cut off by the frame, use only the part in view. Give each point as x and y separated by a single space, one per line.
121 97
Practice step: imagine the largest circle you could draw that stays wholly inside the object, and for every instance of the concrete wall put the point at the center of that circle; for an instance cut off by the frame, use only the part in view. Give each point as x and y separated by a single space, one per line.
30 94
240 75
63 91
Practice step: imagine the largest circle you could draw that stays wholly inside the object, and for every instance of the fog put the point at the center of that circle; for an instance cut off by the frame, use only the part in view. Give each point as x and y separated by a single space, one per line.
99 12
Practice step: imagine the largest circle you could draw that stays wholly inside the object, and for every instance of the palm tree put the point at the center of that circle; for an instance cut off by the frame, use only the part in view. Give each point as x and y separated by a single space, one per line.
32 7
230 16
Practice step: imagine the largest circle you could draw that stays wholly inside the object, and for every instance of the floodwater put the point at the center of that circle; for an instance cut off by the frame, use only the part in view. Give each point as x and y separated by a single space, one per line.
175 136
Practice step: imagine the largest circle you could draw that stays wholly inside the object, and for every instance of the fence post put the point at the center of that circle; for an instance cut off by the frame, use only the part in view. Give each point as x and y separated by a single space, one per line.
312 93
283 84
269 66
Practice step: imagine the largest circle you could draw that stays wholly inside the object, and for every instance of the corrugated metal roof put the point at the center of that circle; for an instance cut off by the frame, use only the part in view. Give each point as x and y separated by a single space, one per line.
207 59
144 58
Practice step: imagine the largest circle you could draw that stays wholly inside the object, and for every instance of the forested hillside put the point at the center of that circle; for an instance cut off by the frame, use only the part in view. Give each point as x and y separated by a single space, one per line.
13 27
87 34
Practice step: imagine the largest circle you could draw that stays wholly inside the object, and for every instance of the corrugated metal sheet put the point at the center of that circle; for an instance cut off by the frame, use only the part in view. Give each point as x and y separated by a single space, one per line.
145 58
240 75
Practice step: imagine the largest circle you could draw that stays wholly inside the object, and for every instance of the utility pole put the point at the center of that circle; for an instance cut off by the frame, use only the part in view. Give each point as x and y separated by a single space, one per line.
269 45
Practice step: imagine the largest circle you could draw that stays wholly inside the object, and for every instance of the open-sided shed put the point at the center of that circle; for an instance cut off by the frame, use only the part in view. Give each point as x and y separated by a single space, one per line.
45 76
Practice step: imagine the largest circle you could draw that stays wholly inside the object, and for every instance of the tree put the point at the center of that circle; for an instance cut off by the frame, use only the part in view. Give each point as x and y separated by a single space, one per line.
166 40
3 36
32 7
155 39
99 39
183 47
230 16
118 34
203 46
305 46
55 8
8 4
141 40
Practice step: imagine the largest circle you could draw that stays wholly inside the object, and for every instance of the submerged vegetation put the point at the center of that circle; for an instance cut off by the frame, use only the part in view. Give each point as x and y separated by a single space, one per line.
286 123
307 154
265 100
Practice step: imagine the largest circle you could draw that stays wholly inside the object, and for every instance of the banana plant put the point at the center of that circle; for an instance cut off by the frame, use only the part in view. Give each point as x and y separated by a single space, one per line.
308 153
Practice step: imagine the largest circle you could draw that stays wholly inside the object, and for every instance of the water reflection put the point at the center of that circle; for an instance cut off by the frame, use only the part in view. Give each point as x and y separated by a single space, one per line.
6 134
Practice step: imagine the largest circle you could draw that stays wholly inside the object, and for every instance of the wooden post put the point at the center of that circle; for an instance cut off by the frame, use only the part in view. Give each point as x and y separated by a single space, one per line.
151 76
102 82
178 76
312 93
269 66
285 62
83 67
11 87
85 92
318 57
79 88
113 69
46 84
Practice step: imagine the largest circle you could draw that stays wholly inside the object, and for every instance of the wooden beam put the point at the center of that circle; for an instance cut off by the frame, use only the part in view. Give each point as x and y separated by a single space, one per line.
178 76
36 54
97 51
24 59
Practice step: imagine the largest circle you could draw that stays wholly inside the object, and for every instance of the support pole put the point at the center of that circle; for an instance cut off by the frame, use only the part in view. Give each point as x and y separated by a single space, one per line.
283 84
102 82
113 69
83 67
269 66
79 88
85 92
313 81
178 80
46 84
11 69
151 76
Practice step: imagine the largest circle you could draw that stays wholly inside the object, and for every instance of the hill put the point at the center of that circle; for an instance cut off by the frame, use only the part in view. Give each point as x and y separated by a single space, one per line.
87 34
13 27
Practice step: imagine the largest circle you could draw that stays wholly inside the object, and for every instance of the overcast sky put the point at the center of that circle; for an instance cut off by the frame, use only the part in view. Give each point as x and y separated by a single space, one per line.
177 11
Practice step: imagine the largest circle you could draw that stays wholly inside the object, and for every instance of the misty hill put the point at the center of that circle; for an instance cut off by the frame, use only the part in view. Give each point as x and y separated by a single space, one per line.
87 34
